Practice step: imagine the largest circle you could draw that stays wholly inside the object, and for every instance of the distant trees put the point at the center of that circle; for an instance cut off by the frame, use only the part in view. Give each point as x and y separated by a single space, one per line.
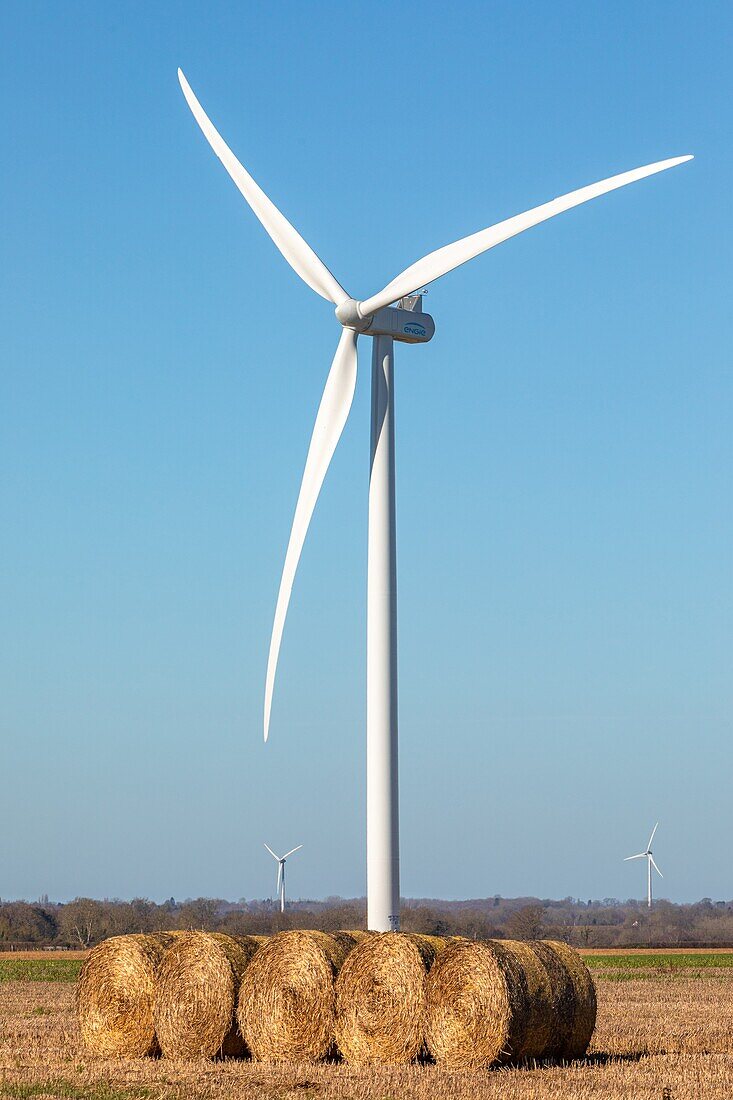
426 921
199 914
526 923
83 922
23 923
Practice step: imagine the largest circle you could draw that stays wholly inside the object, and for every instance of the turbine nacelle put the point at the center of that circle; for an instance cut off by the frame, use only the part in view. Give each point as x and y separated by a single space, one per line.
409 326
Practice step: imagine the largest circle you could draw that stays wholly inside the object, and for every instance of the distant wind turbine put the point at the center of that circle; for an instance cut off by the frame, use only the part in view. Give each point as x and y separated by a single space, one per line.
647 855
281 872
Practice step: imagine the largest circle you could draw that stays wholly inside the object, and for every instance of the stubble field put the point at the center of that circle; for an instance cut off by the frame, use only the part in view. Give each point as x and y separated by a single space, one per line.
665 1022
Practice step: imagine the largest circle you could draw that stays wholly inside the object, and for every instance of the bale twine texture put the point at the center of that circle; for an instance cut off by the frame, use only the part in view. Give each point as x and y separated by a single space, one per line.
286 1000
196 994
479 1008
380 998
115 992
541 1021
573 997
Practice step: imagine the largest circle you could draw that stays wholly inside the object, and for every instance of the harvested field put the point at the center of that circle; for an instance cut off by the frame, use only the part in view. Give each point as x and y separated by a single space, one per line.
52 955
660 1031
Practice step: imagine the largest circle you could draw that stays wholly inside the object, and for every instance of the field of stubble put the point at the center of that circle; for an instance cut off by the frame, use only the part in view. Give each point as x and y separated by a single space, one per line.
657 1030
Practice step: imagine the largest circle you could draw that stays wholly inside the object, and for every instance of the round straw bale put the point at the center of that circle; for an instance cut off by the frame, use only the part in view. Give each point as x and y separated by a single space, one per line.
196 995
479 1009
574 999
541 1020
114 995
380 998
286 1000
563 999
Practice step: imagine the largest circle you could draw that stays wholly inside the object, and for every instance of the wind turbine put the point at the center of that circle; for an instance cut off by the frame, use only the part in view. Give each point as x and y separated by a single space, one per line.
647 855
378 318
281 872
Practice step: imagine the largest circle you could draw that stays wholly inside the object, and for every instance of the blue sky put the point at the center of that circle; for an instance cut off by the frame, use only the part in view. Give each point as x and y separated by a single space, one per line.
564 447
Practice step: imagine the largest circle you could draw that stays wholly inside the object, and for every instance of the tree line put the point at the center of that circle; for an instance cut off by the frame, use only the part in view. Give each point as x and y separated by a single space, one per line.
83 922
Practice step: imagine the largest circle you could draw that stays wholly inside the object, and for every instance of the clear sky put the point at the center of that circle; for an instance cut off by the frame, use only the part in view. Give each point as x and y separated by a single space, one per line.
564 447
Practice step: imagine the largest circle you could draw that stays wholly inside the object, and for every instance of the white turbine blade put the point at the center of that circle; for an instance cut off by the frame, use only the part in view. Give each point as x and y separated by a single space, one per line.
292 850
332 414
641 855
651 860
651 838
445 259
271 852
299 255
279 877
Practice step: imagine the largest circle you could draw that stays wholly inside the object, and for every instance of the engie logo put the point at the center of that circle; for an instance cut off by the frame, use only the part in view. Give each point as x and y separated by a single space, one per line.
415 330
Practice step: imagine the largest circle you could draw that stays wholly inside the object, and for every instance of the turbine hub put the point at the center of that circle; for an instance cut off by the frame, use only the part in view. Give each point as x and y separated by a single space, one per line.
349 315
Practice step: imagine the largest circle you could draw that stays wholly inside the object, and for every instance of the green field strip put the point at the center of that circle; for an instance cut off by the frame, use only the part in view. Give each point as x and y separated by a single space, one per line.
40 970
698 961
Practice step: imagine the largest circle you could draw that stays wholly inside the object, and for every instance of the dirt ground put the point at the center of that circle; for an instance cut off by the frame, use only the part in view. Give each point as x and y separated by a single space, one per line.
664 1032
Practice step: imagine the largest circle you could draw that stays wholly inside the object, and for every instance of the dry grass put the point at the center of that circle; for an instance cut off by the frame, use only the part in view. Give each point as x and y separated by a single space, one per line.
664 1031
61 954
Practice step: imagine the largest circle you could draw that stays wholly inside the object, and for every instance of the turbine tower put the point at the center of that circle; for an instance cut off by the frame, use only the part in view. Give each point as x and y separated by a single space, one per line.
393 314
647 855
281 872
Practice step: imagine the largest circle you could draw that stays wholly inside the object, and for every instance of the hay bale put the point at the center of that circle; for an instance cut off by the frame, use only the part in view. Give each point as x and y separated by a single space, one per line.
380 998
563 999
479 1008
115 992
573 996
196 993
541 1004
286 1000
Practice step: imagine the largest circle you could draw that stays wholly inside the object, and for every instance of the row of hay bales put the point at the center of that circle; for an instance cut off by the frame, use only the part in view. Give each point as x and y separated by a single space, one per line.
372 999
